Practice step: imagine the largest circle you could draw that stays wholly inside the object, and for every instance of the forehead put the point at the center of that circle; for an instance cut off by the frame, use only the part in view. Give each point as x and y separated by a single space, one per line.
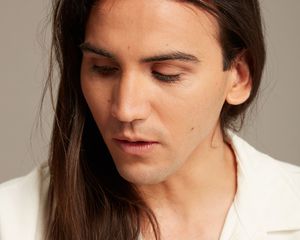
149 24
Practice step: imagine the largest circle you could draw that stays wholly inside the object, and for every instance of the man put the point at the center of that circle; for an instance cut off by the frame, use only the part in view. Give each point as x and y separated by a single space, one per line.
141 146
164 132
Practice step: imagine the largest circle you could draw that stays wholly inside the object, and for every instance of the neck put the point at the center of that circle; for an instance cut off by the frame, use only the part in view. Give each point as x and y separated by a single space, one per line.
207 179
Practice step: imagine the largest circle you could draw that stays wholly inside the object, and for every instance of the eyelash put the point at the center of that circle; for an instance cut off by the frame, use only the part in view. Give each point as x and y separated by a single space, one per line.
166 78
104 70
109 71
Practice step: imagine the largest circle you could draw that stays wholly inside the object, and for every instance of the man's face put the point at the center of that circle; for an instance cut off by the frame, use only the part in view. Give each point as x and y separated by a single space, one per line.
172 105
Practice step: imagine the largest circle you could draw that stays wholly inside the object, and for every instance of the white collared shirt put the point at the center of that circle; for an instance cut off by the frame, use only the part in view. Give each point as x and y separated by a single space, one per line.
266 205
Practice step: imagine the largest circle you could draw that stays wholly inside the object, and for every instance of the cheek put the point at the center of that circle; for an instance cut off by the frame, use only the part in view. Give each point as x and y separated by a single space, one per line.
98 101
196 111
210 96
203 101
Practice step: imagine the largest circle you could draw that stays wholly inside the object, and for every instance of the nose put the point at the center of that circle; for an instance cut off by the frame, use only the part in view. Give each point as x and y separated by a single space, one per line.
130 100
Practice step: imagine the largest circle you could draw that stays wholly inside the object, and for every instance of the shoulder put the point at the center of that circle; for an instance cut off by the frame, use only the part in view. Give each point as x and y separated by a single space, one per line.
256 164
22 184
21 203
268 191
25 187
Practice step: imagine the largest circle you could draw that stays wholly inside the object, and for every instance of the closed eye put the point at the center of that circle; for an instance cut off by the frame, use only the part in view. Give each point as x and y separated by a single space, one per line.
166 78
104 71
107 71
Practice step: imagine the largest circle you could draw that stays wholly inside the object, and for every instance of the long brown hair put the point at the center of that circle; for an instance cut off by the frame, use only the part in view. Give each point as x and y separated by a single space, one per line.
87 197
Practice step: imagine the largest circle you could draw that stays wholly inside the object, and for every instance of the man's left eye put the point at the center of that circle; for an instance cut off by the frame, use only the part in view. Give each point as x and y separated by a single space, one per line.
166 78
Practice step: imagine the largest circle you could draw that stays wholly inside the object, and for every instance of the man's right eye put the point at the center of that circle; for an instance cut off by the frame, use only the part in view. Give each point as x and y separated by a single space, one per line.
104 70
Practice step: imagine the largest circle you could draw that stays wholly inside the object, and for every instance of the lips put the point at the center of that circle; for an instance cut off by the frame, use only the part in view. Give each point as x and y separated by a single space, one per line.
133 139
136 147
134 142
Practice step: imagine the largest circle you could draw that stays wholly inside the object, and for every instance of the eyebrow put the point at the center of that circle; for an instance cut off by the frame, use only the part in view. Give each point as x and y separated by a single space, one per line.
87 47
176 55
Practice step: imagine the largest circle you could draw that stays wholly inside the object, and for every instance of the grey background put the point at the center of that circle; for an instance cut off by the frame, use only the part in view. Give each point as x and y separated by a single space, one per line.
273 127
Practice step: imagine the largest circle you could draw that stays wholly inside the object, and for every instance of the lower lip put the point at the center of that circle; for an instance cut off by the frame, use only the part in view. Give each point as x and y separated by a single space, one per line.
136 148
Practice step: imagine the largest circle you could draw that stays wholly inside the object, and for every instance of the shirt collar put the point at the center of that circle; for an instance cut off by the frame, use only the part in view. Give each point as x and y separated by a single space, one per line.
265 200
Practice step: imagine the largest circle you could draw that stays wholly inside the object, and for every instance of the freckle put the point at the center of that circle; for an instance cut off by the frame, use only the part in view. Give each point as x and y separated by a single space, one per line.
128 48
109 101
192 129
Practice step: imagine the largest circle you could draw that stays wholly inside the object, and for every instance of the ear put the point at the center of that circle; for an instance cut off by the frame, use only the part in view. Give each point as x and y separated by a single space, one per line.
240 82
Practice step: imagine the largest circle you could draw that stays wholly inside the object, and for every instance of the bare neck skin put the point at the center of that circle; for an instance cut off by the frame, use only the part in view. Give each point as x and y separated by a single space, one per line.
194 202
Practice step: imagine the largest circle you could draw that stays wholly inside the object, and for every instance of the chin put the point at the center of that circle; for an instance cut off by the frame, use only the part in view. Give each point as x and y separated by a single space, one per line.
142 175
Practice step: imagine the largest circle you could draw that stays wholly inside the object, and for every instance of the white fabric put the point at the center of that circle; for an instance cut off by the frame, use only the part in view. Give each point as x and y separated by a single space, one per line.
266 205
230 224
